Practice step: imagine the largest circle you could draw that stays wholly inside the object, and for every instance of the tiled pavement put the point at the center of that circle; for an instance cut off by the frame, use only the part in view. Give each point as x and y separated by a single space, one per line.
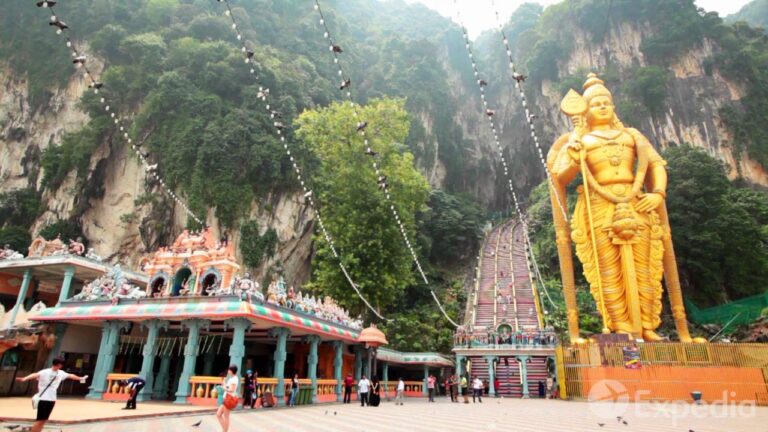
493 415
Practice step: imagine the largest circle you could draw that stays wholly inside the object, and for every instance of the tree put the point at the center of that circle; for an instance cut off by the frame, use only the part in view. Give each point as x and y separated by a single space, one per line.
355 212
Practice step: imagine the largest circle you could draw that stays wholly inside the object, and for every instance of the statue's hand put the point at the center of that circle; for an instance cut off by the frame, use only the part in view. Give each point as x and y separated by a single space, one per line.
649 202
574 149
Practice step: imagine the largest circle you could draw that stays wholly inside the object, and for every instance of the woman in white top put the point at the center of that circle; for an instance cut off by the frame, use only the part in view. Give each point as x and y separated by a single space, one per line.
231 383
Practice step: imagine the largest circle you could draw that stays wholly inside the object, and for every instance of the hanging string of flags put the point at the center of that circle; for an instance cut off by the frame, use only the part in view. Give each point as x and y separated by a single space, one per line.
80 60
280 130
490 113
381 179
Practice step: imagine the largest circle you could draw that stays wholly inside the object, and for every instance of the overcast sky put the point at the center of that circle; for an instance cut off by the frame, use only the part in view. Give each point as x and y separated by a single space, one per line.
478 14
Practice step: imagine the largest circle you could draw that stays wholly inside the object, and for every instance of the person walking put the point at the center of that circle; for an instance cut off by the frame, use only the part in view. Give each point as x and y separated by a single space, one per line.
477 390
134 385
231 398
348 383
542 390
454 388
399 392
363 386
375 397
294 389
496 385
48 381
464 385
431 387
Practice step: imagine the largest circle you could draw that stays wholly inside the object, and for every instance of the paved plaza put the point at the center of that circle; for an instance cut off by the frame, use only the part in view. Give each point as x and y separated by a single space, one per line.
417 415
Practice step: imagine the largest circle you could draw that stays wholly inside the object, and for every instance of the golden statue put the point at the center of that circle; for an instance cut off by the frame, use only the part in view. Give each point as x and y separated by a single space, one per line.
621 232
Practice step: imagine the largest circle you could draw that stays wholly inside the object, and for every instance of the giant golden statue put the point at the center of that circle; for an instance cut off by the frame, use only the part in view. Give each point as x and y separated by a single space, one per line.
620 225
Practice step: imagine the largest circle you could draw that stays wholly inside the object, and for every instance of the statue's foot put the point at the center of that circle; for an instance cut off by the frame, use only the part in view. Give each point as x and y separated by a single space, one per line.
651 336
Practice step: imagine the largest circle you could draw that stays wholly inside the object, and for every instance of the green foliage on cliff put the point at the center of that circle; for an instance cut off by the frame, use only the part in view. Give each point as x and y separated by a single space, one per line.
254 246
755 13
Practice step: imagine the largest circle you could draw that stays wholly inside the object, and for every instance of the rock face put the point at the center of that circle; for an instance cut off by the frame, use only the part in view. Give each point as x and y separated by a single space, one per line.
121 225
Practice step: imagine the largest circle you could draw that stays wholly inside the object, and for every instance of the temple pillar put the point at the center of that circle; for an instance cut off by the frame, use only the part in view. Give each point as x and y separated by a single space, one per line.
58 331
105 362
358 362
338 363
281 333
237 349
190 357
66 284
21 296
424 389
148 360
459 366
313 340
160 390
385 374
491 361
523 359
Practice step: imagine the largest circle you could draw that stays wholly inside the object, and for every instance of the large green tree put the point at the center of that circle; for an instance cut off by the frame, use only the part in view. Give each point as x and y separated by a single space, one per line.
354 209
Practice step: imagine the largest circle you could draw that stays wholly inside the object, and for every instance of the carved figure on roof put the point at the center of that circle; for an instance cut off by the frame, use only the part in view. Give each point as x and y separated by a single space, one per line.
128 291
92 255
8 253
76 247
272 293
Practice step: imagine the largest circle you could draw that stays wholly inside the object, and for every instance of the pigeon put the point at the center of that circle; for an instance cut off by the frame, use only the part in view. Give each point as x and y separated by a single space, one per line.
619 418
79 60
624 422
344 84
369 151
490 112
519 77
46 3
337 49
361 126
482 83
13 427
334 413
601 424
61 25
197 424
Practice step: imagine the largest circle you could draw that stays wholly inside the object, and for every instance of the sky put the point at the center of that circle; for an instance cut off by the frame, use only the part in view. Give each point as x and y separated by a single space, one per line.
478 15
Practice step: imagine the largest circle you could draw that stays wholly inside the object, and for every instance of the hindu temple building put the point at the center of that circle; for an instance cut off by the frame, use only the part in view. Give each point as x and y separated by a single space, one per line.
180 321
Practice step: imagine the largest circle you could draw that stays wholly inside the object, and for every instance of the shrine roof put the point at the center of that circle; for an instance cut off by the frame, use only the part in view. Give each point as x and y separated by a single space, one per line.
54 267
263 316
414 358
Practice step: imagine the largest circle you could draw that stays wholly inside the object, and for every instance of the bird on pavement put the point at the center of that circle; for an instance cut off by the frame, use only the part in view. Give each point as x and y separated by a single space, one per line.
197 424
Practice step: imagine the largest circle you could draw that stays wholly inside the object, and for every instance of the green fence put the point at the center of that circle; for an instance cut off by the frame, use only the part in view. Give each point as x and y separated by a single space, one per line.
742 311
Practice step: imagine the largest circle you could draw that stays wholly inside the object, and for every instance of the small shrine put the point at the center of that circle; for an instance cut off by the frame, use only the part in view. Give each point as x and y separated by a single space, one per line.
195 264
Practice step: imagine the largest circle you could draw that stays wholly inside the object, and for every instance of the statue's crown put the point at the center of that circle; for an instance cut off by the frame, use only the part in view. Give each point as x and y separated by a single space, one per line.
594 87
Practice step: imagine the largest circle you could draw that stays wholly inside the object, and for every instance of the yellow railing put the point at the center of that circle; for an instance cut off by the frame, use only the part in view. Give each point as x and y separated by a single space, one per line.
671 354
113 385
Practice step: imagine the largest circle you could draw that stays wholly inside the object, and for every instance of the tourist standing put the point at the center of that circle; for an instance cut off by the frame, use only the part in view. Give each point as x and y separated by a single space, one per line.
375 397
48 381
255 386
363 386
454 388
496 385
399 392
464 385
231 397
248 397
134 385
542 390
477 389
348 383
431 387
294 389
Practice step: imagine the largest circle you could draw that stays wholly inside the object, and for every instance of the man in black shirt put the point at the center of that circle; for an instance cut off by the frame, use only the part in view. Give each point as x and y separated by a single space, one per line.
135 385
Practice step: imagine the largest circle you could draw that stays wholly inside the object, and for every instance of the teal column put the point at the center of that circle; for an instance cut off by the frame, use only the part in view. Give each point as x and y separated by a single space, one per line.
424 390
58 331
491 361
208 360
105 362
281 333
66 284
338 363
148 356
358 362
190 357
459 366
160 391
524 374
313 340
385 374
237 349
20 298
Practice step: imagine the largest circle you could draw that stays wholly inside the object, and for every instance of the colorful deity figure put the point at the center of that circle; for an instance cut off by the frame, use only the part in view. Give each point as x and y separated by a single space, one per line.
620 225
7 253
272 293
299 303
76 247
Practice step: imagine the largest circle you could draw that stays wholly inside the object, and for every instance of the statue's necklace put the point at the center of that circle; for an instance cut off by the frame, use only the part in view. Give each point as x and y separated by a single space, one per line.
613 151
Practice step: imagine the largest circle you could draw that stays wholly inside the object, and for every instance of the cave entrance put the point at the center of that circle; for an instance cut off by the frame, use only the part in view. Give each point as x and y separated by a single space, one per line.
157 286
209 281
